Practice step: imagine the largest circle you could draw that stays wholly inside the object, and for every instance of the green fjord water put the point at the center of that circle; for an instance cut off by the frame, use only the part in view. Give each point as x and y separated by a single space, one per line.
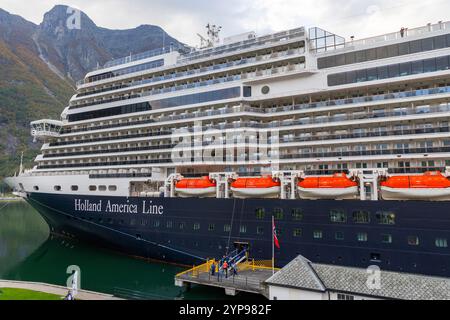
29 253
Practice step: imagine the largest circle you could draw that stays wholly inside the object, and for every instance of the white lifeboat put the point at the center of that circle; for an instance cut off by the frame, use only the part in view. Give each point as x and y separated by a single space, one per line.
336 187
201 188
260 187
431 186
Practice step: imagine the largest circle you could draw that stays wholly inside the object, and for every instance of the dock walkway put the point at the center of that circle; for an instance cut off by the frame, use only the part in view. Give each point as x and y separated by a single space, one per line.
54 289
251 278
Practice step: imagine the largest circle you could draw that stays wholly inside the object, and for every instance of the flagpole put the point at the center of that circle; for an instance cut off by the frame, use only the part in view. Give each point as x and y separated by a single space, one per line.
273 246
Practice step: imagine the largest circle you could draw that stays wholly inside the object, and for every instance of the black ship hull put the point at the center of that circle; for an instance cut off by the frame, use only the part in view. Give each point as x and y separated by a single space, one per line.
188 231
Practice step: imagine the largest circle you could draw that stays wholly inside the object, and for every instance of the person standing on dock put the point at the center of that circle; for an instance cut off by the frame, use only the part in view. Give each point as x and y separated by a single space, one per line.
225 268
213 269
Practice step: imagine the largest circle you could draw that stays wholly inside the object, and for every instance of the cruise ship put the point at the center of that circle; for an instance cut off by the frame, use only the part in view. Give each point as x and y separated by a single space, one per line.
182 154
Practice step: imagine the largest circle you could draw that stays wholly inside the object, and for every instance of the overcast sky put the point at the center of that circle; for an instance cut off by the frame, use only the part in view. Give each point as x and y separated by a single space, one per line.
183 19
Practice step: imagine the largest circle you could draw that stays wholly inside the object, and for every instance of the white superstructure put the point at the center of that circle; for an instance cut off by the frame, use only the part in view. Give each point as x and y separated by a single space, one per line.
330 105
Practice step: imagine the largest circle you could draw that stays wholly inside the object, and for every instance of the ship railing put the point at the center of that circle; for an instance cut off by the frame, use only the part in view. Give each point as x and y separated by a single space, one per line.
430 28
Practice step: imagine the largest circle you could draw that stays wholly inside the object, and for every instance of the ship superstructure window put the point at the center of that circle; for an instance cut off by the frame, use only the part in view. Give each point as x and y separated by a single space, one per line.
36 188
92 188
384 52
361 216
155 223
441 243
390 71
211 227
169 224
413 241
386 238
297 214
123 71
196 226
181 225
101 188
318 234
112 188
385 217
260 230
339 236
74 188
243 229
226 228
339 216
278 213
362 237
297 233
57 188
260 213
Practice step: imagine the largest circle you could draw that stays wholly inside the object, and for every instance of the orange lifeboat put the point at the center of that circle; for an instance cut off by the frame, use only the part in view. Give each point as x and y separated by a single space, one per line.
260 187
429 186
337 187
202 187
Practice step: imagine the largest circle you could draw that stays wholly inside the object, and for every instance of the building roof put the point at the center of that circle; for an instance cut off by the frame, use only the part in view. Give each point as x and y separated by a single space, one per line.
303 274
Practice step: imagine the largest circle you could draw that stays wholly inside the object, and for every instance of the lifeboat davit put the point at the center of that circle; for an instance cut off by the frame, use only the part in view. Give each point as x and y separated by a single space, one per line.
261 187
336 187
202 188
432 186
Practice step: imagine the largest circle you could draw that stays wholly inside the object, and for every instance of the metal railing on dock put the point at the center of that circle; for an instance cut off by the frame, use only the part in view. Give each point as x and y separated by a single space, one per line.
250 276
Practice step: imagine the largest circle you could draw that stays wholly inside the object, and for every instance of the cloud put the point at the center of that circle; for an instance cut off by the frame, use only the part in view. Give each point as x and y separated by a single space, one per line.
184 19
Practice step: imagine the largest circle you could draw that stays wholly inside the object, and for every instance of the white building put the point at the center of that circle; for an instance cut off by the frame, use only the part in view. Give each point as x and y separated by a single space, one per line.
303 280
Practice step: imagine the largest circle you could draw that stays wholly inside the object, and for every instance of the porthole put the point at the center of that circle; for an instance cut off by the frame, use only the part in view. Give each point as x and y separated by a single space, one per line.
265 90
57 188
92 188
112 188
74 188
36 188
102 188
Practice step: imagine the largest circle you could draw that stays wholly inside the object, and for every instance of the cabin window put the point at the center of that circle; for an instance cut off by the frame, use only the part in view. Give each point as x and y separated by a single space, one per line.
413 241
112 188
74 188
260 230
386 238
318 234
169 224
155 223
297 232
385 217
339 216
441 243
361 217
226 228
278 213
36 188
297 214
339 236
211 227
57 188
92 188
362 237
260 213
196 226
102 188
243 229
181 225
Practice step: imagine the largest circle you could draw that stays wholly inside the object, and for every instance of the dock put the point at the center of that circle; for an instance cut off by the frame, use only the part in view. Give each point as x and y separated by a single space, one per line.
251 277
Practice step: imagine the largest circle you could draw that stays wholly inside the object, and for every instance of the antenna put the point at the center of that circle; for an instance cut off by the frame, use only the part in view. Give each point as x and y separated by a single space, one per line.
213 32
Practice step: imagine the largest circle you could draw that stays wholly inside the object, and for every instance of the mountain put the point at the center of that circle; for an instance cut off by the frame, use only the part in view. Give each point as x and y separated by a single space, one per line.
39 65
